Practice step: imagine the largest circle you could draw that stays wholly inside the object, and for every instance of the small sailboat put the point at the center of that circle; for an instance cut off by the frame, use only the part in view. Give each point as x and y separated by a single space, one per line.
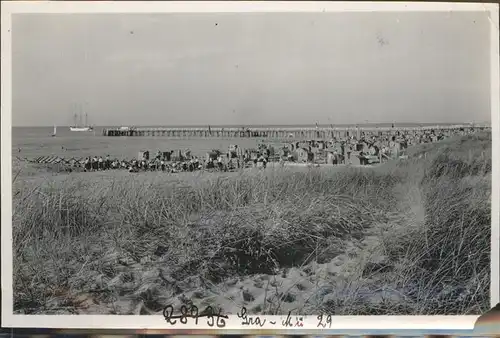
54 133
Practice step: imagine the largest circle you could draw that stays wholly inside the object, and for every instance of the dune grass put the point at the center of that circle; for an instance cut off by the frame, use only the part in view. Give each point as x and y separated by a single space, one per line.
427 218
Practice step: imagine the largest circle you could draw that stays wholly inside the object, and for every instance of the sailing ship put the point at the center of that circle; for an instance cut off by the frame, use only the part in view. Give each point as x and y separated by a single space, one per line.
78 126
54 133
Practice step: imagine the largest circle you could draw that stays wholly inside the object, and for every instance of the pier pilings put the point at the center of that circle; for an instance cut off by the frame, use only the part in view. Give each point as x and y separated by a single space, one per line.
278 133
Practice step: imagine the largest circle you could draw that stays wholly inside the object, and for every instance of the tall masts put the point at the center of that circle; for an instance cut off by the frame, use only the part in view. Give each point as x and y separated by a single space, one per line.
78 120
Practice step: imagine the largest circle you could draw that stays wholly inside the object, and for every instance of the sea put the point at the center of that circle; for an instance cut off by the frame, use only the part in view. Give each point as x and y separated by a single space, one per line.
32 142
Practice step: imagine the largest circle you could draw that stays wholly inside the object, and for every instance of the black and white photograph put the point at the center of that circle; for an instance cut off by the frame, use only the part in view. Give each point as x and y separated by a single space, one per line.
335 162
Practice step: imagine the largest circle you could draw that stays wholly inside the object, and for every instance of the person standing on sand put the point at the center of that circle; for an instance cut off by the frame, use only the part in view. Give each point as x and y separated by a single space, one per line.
107 163
404 142
342 152
335 156
262 161
394 147
349 151
392 142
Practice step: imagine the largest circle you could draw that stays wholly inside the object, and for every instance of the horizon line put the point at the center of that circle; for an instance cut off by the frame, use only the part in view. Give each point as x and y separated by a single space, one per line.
263 125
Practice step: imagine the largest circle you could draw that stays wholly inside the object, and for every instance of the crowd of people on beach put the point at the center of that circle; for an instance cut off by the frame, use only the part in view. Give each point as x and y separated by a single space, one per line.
222 162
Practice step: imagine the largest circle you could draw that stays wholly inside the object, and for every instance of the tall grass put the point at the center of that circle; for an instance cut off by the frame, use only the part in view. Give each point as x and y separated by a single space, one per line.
431 214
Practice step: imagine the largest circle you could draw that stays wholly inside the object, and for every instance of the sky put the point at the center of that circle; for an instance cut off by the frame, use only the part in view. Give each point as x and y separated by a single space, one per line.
250 68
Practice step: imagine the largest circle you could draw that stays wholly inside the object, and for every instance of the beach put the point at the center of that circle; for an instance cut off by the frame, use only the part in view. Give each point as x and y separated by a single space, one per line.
293 237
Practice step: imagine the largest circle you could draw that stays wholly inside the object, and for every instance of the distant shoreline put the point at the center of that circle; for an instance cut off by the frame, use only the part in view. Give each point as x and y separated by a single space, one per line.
396 125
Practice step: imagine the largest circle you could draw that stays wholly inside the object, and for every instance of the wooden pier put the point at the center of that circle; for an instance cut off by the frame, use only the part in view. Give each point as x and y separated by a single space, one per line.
277 133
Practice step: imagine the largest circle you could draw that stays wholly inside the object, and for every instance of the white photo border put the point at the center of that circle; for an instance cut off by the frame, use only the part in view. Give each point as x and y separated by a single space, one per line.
233 323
